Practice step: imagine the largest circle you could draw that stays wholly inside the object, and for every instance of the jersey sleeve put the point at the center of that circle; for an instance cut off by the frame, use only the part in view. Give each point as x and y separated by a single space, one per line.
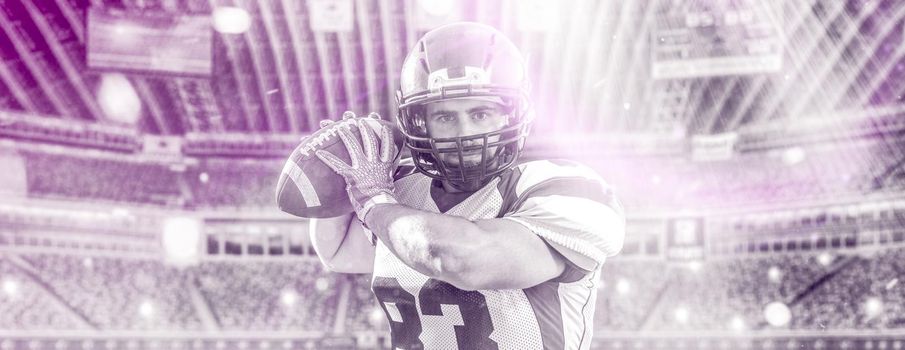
571 208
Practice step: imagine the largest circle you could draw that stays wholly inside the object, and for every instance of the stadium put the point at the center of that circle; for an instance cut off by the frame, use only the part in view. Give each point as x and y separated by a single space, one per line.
758 148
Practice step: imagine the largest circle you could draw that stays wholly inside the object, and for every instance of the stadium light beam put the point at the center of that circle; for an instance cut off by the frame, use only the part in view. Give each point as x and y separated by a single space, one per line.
118 99
681 315
375 317
321 284
695 266
181 240
777 314
289 297
538 15
231 20
873 307
825 259
793 156
623 286
438 8
11 287
775 274
146 309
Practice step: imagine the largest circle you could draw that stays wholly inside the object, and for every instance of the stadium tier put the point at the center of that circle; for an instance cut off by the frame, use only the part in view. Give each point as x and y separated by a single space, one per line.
63 176
270 296
826 291
223 183
809 173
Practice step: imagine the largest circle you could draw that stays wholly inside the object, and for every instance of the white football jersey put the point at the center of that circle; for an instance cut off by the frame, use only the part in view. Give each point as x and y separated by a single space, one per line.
566 204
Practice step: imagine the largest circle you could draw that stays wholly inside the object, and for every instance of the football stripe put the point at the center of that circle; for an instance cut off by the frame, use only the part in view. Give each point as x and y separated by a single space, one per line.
302 182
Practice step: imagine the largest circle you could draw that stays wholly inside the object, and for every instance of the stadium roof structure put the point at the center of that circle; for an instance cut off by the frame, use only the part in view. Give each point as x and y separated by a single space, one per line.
595 69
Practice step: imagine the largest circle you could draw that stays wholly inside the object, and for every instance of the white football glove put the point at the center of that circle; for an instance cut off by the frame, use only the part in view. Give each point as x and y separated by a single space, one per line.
369 179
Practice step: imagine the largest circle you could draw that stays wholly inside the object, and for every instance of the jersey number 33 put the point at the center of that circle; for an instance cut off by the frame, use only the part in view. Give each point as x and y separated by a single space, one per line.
472 332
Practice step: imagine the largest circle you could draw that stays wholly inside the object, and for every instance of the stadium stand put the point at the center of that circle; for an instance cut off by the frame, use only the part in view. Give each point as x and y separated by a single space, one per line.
60 176
864 295
25 304
630 290
270 295
221 183
362 305
119 294
838 291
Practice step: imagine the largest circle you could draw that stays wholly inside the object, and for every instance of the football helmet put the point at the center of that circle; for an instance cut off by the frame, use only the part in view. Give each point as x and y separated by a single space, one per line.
464 60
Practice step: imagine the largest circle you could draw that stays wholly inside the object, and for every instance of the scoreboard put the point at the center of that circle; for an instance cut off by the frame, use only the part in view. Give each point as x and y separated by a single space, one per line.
694 38
685 239
149 42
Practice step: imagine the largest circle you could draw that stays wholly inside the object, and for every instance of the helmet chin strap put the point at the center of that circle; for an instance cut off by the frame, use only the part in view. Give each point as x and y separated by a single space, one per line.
474 178
467 186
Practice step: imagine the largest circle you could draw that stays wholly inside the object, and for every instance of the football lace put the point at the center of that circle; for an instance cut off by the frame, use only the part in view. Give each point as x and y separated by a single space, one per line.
315 142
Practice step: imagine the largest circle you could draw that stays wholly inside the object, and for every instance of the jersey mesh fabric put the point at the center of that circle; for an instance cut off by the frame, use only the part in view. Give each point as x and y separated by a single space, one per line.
513 322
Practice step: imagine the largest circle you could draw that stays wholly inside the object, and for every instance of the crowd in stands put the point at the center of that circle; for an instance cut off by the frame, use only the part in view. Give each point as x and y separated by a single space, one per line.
234 183
271 295
823 291
120 294
868 294
55 175
362 305
797 173
730 294
777 176
629 291
25 305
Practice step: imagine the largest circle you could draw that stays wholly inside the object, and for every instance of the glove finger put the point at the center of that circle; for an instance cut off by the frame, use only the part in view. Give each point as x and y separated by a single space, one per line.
387 146
332 161
325 123
367 140
352 145
374 115
348 115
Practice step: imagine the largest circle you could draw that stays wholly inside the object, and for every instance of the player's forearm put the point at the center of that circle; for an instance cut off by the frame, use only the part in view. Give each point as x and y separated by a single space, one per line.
430 243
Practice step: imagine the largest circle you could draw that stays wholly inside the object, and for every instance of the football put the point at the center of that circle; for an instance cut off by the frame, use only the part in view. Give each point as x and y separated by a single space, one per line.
307 187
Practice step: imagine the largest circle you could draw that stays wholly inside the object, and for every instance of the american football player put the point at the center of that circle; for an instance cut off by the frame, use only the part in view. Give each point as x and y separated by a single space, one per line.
468 248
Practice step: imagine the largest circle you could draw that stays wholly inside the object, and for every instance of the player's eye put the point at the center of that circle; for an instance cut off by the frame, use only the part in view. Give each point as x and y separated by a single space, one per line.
480 115
445 118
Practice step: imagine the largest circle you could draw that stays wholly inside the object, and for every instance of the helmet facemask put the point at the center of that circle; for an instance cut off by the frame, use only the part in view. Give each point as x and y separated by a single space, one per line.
499 149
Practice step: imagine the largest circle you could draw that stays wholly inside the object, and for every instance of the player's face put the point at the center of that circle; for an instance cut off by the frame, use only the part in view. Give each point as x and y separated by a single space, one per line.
465 117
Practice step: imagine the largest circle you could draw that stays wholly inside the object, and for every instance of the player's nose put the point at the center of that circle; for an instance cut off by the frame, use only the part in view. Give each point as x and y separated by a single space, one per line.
466 128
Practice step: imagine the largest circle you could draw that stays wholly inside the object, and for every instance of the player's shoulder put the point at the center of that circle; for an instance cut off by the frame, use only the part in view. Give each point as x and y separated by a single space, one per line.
558 168
553 177
555 172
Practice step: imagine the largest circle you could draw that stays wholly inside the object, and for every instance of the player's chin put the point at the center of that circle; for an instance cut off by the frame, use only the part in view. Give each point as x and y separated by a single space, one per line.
467 161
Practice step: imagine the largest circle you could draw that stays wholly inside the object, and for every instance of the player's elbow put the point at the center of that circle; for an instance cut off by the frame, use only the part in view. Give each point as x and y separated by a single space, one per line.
467 280
478 266
344 266
462 267
470 277
331 266
451 267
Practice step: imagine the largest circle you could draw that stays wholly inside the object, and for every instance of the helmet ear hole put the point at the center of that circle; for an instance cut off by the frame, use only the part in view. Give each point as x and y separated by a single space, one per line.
419 124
